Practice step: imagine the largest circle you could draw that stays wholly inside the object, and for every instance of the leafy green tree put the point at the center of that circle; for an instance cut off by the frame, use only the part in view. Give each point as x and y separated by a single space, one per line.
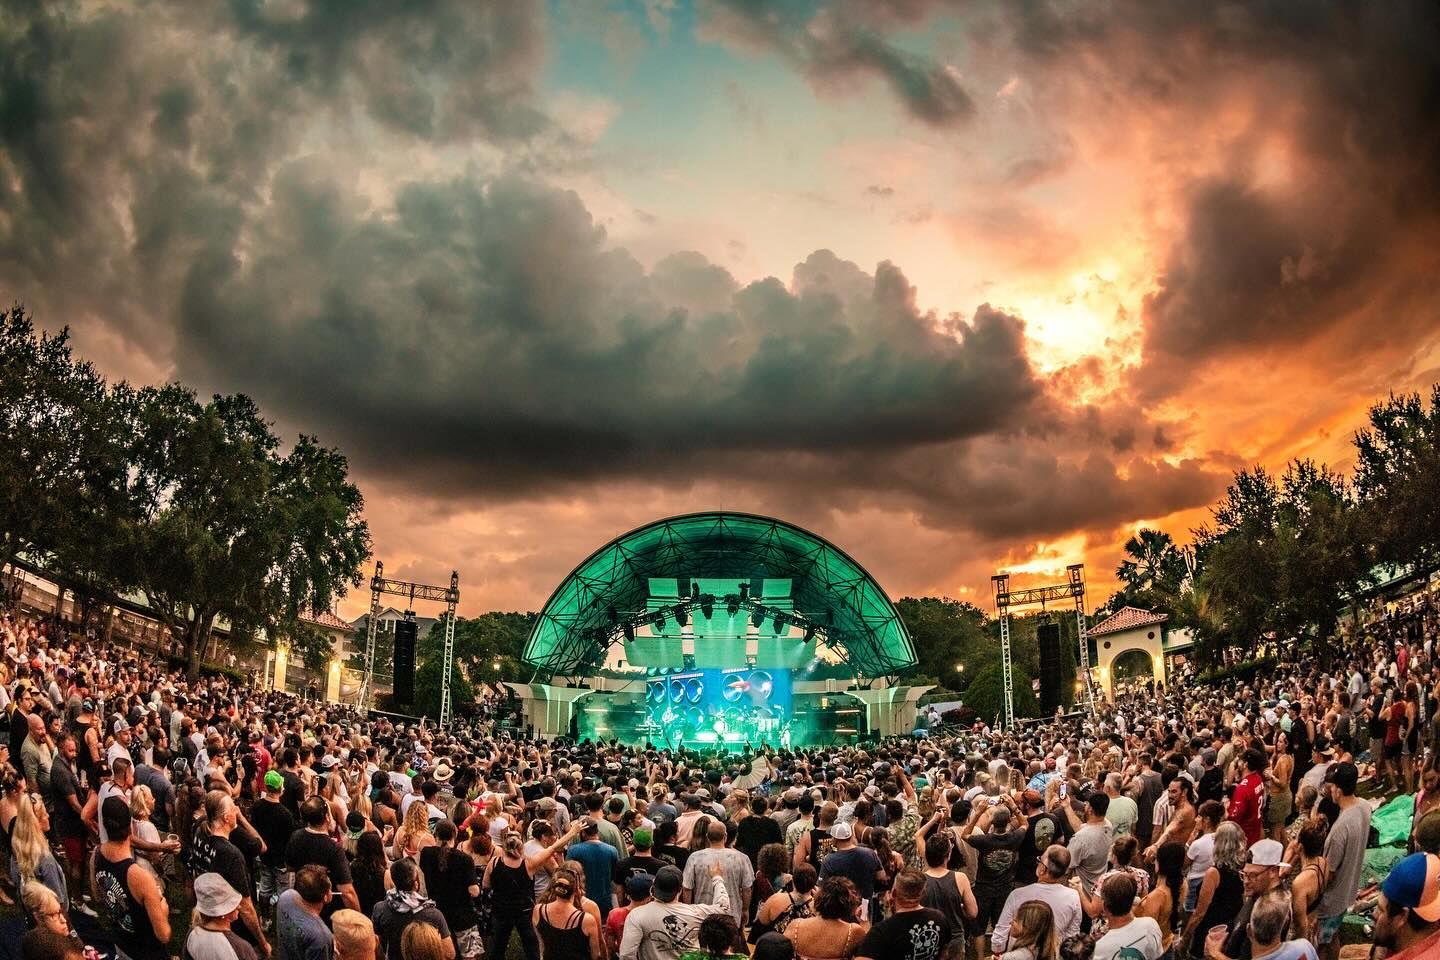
487 649
56 463
230 528
1397 477
945 633
1152 562
986 693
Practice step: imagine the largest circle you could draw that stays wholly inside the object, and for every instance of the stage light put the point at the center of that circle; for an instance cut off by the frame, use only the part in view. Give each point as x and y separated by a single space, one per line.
629 629
694 589
707 606
612 613
809 634
744 591
732 605
659 620
780 621
681 617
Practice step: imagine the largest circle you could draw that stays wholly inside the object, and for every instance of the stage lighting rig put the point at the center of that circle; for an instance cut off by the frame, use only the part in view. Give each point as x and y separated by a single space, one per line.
732 605
757 616
707 605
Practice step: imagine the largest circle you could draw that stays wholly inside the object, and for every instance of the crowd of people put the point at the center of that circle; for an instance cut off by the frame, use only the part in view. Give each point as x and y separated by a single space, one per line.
145 817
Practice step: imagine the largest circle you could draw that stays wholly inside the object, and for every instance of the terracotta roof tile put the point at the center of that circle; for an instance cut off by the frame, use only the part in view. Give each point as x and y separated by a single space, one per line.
1127 618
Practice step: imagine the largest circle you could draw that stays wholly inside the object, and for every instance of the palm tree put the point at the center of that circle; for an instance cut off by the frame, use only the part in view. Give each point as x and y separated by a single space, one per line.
1154 563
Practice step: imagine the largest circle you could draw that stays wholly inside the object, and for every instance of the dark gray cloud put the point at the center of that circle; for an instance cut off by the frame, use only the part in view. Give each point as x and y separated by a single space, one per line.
834 45
497 338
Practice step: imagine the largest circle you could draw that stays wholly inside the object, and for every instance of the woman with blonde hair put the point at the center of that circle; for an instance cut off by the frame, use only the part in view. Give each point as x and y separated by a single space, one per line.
1032 933
142 806
413 835
421 941
30 856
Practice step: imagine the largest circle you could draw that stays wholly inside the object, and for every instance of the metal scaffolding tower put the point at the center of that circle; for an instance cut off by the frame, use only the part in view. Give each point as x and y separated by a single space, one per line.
450 596
1072 589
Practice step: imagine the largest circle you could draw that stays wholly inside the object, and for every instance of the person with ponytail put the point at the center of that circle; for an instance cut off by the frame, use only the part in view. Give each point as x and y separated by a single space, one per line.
451 879
510 878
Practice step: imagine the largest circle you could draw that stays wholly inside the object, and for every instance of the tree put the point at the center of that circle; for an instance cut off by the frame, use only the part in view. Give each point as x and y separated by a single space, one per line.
947 632
1397 478
487 648
1152 563
986 693
229 528
57 465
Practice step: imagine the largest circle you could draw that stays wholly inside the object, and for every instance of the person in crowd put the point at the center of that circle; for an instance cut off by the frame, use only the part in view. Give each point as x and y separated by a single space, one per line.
420 941
213 852
1126 935
860 865
718 939
1261 875
354 935
1200 854
636 891
1222 890
598 859
1309 875
127 894
1049 888
996 831
642 861
733 866
1032 934
510 877
404 905
1163 904
211 936
1407 918
30 856
300 934
314 845
1248 802
43 908
835 931
784 906
1344 854
45 944
913 931
565 928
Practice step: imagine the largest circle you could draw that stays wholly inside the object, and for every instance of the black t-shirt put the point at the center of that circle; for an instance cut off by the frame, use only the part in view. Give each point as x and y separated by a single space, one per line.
672 855
211 854
317 848
1377 716
272 820
753 833
999 854
450 887
1042 830
294 792
64 783
1211 786
913 935
634 866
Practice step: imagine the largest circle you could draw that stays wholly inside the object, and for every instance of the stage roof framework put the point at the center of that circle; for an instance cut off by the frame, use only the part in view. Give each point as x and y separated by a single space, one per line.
828 588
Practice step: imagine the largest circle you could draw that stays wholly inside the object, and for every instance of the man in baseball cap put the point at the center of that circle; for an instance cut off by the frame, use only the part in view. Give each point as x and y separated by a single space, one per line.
1407 920
664 927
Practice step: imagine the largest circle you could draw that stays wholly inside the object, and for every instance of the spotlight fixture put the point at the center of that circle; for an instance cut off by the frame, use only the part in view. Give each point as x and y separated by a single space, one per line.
809 634
744 591
629 629
732 605
659 620
707 606
757 616
682 617
780 621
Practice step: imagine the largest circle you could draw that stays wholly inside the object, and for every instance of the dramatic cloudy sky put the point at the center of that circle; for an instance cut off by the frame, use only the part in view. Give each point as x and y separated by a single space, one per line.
961 285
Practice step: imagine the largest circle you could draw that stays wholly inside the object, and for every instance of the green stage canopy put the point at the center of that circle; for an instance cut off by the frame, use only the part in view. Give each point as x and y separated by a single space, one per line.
826 588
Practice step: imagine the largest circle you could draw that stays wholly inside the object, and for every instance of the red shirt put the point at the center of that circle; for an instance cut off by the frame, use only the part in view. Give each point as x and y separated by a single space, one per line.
1246 805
